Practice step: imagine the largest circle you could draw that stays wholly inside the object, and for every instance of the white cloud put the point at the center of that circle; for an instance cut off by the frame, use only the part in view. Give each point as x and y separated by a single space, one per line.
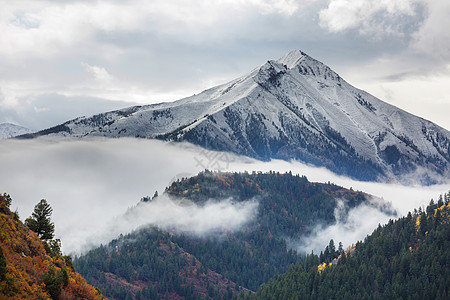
360 222
288 7
176 215
182 215
433 37
423 23
378 17
91 183
40 28
43 42
100 73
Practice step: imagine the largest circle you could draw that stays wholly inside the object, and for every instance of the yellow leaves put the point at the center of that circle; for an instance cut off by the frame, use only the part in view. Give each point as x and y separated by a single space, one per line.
335 261
444 211
196 189
444 215
418 222
27 260
321 267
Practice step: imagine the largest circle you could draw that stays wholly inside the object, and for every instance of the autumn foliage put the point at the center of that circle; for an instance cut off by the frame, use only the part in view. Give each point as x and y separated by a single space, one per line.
27 271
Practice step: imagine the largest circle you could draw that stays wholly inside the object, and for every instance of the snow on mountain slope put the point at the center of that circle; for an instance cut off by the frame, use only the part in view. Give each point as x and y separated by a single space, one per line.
8 130
292 108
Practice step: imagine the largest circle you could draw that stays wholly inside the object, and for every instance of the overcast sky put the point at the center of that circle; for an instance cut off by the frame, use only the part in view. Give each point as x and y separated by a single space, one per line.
63 59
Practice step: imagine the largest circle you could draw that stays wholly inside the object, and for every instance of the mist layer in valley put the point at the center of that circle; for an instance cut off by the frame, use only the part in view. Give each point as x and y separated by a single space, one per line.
94 185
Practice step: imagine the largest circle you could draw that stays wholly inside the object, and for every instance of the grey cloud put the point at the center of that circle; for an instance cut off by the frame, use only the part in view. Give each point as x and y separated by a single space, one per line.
52 109
375 18
397 77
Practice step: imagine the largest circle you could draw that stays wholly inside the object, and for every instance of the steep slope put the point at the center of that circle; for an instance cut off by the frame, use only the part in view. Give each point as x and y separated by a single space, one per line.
148 265
289 207
405 259
292 108
8 130
27 271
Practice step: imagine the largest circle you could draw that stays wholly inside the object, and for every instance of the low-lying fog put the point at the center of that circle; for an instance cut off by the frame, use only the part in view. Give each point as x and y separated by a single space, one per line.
91 183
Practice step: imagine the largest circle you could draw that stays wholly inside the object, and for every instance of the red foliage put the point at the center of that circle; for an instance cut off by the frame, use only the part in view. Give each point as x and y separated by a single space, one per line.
27 260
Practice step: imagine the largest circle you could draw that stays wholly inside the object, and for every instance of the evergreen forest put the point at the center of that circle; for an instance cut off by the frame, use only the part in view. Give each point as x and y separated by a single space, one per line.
158 264
408 258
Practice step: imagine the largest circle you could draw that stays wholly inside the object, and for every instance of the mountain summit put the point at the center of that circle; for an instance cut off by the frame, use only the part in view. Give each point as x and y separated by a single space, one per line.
8 130
292 108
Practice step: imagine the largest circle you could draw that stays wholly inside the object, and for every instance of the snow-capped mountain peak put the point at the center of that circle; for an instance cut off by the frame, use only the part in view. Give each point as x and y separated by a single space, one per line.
292 58
8 130
291 108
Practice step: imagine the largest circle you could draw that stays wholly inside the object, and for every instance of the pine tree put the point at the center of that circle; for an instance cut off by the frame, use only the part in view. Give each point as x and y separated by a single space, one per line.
40 221
341 248
7 199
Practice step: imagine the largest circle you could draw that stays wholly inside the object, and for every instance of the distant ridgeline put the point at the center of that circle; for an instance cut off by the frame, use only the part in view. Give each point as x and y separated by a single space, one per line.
152 263
406 259
29 269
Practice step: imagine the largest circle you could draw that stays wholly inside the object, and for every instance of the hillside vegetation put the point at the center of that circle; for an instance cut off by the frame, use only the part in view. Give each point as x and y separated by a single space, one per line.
31 270
175 264
406 259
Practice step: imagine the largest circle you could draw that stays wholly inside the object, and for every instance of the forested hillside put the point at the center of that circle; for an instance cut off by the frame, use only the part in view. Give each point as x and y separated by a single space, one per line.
406 259
30 269
149 265
209 266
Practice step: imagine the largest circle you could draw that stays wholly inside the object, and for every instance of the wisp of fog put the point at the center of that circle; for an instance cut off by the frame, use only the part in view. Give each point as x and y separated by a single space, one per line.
349 228
215 217
90 183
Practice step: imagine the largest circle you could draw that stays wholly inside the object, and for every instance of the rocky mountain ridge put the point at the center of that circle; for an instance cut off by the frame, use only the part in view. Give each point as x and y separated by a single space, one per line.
292 108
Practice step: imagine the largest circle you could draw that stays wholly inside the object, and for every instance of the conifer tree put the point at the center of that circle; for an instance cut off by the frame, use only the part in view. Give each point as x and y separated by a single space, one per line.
40 221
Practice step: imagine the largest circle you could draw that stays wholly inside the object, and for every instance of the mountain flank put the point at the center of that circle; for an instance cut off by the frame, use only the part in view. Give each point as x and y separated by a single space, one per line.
291 108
